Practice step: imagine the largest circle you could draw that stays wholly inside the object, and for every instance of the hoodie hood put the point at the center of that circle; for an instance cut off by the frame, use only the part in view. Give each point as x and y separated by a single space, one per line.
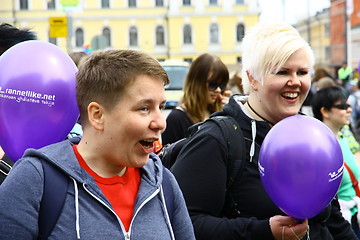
68 163
254 131
236 110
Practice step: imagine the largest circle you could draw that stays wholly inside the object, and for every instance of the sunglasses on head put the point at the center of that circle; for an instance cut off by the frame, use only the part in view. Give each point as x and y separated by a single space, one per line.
212 86
343 106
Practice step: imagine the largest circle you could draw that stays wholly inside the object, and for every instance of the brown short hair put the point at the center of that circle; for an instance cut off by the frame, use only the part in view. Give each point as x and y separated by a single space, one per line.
105 75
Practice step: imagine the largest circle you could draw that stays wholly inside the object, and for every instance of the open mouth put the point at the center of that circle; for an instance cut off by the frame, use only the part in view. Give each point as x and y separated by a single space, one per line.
290 95
147 143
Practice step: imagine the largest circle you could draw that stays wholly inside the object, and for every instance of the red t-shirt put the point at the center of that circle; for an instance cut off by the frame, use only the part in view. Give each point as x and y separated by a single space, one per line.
120 191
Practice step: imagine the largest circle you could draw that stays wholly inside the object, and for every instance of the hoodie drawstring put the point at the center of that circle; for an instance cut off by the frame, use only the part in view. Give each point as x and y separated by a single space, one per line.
166 212
77 221
253 133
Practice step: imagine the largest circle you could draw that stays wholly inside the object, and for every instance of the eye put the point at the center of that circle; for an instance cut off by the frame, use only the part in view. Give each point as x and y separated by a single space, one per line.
302 73
144 109
281 72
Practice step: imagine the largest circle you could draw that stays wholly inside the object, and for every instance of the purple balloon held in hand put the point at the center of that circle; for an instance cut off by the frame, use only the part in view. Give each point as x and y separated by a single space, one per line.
37 96
301 166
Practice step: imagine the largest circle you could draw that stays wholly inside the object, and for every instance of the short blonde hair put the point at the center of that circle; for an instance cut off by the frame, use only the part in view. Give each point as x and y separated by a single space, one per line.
266 48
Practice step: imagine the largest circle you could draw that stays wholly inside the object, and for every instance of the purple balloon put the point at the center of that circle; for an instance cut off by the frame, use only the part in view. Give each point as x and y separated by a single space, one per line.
37 96
301 166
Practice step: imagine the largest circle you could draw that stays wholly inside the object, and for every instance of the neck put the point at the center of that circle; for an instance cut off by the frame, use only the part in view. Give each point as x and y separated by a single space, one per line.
333 128
257 114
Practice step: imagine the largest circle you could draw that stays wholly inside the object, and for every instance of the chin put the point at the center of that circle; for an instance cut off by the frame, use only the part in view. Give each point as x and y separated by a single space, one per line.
141 161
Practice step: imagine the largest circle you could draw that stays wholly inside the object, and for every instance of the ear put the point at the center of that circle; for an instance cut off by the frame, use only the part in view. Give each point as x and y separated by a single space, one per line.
96 115
325 113
252 81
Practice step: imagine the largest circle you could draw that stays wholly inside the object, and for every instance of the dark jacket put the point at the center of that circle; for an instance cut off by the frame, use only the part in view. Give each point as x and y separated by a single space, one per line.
177 124
201 171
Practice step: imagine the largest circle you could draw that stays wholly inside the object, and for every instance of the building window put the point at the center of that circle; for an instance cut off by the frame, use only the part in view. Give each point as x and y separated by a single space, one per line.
107 35
239 59
133 36
327 29
240 32
132 3
213 2
328 52
214 33
187 34
51 5
160 36
186 2
24 5
79 37
239 2
159 3
105 4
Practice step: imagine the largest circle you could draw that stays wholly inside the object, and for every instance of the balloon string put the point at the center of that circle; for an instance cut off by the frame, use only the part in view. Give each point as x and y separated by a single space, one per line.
259 114
306 234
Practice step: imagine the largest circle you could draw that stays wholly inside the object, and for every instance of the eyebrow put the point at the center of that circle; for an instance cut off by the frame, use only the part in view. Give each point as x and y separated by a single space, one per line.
150 101
302 68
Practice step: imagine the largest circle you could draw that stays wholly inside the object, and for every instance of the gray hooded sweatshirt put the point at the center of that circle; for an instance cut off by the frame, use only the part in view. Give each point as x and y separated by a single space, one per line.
87 214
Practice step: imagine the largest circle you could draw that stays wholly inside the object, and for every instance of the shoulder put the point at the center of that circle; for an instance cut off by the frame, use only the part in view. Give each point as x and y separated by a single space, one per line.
177 113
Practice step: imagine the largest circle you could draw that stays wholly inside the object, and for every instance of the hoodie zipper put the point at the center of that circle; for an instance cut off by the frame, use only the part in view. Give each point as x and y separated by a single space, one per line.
140 207
126 234
103 203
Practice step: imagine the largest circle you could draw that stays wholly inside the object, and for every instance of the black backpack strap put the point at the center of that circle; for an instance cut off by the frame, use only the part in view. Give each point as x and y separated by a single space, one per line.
236 146
53 199
170 151
5 167
236 159
168 194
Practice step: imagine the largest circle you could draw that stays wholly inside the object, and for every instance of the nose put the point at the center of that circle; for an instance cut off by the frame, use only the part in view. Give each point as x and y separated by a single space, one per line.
158 123
349 109
218 89
294 80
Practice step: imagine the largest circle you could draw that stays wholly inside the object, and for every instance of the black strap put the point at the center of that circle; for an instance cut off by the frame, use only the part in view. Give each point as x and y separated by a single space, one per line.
53 199
236 160
5 167
168 194
236 146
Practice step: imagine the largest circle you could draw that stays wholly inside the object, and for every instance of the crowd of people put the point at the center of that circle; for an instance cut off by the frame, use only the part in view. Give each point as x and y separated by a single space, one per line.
117 187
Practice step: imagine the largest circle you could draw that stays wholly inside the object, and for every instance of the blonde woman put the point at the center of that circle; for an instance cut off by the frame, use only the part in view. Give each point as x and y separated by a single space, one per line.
277 66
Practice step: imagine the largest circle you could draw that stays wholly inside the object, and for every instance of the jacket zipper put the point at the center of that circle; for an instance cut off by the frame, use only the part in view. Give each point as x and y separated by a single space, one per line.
103 203
126 234
142 204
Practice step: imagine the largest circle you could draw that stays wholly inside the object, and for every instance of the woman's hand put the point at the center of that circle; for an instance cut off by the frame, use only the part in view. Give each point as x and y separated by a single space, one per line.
224 97
288 228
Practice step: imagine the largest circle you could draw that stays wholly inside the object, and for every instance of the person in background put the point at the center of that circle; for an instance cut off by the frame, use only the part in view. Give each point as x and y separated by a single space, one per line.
320 79
204 93
235 84
345 132
331 106
277 66
354 100
10 36
345 74
78 58
116 181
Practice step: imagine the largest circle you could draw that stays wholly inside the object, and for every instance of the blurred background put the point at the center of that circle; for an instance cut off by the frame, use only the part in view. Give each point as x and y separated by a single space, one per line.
184 29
